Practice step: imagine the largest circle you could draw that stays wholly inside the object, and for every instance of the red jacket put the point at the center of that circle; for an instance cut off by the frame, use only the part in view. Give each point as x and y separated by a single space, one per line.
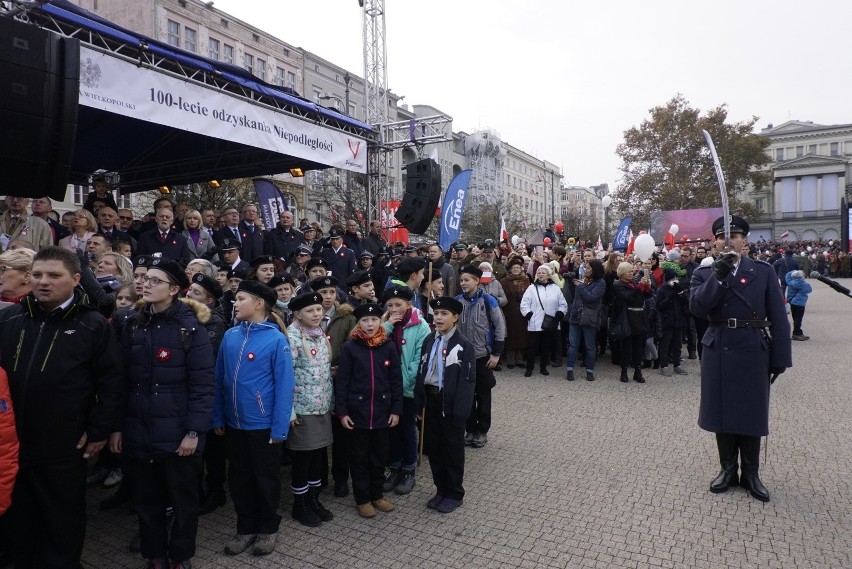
8 444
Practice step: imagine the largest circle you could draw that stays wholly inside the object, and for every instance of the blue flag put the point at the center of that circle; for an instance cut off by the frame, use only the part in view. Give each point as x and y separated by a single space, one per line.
270 202
622 236
451 211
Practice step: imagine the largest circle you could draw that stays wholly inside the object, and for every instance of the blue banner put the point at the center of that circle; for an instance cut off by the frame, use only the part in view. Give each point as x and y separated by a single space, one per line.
622 236
270 202
451 211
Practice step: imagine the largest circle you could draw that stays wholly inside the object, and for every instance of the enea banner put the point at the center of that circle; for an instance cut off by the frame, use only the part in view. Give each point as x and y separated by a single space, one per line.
117 86
453 208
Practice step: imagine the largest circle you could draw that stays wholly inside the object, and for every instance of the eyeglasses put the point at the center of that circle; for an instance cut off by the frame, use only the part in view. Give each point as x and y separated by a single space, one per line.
153 281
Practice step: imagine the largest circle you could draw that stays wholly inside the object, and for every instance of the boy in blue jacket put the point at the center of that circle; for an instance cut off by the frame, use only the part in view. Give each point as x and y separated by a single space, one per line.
797 295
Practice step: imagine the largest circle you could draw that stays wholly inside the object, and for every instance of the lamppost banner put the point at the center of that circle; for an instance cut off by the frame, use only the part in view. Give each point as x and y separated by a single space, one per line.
451 211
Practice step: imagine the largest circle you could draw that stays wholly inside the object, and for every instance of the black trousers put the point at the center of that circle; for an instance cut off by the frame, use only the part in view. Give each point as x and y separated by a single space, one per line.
540 344
307 469
339 451
368 454
797 312
631 351
479 420
171 481
691 333
254 479
670 346
214 461
443 443
48 514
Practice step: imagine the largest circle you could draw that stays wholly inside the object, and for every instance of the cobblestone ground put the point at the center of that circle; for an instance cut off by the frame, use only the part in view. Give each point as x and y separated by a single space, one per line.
599 474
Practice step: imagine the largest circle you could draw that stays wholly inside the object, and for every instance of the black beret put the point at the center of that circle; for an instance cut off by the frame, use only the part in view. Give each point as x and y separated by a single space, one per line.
471 270
208 284
305 300
323 282
229 244
358 278
172 269
141 261
259 290
262 260
738 225
316 262
436 275
409 266
280 279
397 291
335 233
237 274
447 303
369 309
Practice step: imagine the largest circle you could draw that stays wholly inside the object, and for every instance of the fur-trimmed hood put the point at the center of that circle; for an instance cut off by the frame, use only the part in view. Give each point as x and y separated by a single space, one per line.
202 311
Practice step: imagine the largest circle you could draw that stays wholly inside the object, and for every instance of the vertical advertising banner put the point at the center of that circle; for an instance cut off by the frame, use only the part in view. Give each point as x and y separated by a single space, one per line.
270 202
453 208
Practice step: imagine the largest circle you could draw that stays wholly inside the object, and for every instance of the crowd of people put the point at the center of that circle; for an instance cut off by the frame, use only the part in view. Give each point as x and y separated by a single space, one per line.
212 351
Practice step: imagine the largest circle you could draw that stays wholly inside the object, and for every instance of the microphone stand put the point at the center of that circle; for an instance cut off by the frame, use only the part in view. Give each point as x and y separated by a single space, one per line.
832 283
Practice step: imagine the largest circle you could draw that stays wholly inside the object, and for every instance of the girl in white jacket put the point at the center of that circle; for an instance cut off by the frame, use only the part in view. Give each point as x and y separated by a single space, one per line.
542 300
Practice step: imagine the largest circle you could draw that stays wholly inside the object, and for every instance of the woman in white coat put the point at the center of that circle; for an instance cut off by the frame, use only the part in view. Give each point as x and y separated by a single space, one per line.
544 306
199 240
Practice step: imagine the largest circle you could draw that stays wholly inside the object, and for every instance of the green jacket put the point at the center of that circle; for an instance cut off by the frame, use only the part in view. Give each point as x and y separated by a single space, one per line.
339 328
412 340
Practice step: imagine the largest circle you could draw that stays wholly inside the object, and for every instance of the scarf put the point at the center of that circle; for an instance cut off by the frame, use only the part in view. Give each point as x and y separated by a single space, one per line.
518 282
311 333
377 339
195 235
398 329
14 299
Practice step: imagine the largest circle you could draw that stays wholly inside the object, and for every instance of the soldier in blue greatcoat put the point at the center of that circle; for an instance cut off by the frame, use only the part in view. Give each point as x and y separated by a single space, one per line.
746 344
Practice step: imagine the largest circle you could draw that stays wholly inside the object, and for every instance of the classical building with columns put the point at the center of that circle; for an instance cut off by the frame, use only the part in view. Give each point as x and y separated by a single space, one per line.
811 167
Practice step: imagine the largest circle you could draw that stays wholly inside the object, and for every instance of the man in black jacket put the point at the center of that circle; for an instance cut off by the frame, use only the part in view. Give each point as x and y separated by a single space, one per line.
66 379
164 239
284 239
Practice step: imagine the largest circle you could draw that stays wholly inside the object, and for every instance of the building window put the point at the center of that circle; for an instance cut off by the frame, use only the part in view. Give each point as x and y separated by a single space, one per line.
834 149
173 33
261 69
80 194
779 154
291 80
800 151
279 76
228 53
190 39
248 63
317 95
565 196
812 149
214 49
758 203
577 196
352 110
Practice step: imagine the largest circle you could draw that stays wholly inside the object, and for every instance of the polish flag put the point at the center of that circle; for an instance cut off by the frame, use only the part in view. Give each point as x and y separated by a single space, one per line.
504 235
629 245
599 244
785 235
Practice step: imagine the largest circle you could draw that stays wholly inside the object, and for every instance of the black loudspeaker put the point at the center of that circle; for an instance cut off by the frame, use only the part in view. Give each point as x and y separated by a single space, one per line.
422 193
39 94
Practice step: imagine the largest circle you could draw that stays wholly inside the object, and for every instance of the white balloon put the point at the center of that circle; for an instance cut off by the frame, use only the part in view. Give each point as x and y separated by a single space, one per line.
606 201
515 240
810 249
674 229
803 254
644 246
831 243
813 256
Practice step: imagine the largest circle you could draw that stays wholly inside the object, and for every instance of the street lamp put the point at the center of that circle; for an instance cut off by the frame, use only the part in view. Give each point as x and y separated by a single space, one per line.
606 201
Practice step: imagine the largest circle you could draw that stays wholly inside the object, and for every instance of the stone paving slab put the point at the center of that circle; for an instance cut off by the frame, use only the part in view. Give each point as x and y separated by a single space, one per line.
596 475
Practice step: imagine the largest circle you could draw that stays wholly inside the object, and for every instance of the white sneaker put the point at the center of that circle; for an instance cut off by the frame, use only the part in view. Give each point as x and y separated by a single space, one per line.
114 478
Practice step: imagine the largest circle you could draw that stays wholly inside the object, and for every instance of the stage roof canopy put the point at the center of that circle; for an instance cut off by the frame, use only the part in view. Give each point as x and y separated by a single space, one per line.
158 115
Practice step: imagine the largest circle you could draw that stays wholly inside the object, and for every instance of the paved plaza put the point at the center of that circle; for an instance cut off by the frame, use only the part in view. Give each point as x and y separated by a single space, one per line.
601 475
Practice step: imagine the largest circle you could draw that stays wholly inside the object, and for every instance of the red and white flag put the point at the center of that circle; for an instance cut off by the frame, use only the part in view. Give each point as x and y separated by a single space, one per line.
785 235
504 235
629 245
599 244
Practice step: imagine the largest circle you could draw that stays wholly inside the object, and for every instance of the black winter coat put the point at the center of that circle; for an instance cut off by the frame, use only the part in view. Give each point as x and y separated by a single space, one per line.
628 298
282 244
671 305
368 384
65 376
169 362
459 378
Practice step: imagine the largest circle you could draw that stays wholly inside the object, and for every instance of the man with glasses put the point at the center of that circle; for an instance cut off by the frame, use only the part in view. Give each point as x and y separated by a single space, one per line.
164 239
284 240
41 209
17 225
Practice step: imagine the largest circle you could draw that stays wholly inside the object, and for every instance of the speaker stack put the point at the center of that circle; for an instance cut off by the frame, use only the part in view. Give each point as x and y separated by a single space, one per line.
422 193
39 93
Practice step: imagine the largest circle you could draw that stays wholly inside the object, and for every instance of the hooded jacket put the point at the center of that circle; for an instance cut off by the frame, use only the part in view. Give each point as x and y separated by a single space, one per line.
168 359
368 384
482 323
413 334
255 380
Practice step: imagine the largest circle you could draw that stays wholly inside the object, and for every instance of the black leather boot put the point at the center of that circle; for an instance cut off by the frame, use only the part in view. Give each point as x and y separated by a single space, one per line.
303 513
750 458
624 378
215 498
637 375
728 453
314 504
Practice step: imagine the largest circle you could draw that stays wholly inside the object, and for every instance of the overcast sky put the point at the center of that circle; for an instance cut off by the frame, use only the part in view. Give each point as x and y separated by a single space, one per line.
563 79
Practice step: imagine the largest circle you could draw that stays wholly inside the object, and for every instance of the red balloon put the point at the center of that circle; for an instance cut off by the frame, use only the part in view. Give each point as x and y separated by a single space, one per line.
547 241
559 227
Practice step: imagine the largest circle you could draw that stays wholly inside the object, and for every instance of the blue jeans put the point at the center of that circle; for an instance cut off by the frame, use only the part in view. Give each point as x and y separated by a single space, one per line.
403 438
589 335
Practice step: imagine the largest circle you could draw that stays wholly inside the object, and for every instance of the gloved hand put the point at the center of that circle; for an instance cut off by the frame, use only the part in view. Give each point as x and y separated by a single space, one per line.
528 315
774 372
560 316
724 265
